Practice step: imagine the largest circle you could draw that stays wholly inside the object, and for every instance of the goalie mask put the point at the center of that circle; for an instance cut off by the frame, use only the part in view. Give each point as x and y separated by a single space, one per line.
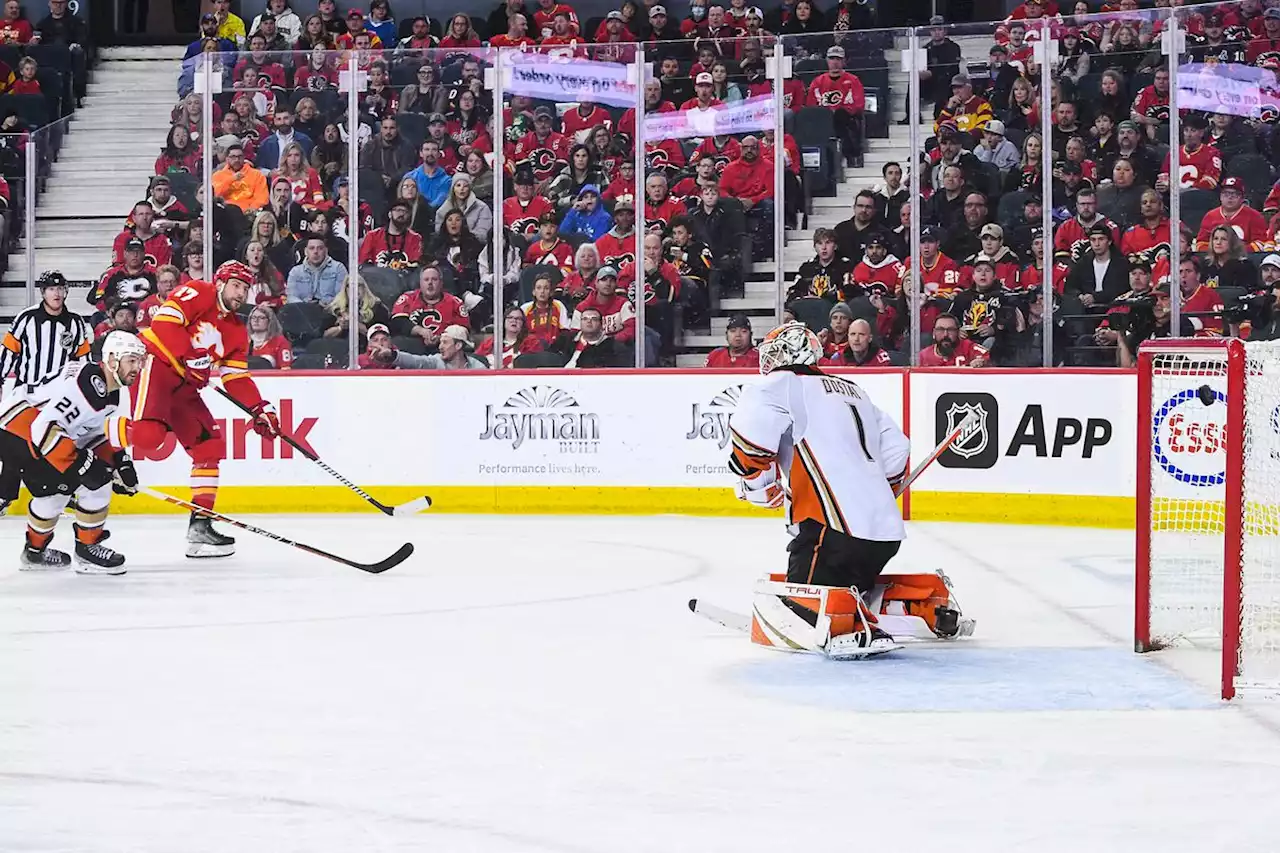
790 343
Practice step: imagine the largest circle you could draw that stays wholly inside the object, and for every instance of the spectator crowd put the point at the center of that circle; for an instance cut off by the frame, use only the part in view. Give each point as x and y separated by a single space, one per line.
561 213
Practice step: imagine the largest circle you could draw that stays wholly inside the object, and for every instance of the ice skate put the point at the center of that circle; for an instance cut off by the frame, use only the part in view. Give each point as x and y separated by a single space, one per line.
204 541
43 559
98 559
859 644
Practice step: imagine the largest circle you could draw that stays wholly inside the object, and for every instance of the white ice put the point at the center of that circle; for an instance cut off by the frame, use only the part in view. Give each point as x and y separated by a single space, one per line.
538 684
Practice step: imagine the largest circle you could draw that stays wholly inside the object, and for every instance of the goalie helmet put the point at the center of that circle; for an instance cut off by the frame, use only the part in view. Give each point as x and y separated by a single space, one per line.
790 343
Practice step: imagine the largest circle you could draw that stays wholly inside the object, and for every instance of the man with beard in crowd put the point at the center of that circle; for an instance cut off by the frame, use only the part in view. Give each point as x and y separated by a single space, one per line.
949 349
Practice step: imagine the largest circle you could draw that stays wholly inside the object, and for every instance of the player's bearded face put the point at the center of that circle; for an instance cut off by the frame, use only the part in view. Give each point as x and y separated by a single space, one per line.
234 293
128 369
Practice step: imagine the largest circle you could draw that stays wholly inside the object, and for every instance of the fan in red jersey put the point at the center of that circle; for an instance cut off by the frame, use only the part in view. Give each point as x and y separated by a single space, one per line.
1248 223
949 349
522 212
194 334
739 352
131 281
1199 165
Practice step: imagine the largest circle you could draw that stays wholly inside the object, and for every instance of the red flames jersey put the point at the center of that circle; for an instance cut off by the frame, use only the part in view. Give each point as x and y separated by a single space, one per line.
559 254
523 218
616 251
435 316
837 93
1200 169
545 158
391 251
192 319
721 357
1247 223
966 351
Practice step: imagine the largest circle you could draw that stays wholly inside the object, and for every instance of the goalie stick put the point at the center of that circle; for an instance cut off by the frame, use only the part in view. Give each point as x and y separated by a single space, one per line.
401 554
741 622
413 507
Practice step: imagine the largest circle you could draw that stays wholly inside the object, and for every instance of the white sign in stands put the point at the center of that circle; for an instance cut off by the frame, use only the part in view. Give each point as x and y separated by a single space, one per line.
551 79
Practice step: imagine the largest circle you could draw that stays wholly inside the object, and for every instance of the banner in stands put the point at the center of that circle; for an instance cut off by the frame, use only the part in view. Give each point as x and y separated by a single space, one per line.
745 116
1052 445
546 78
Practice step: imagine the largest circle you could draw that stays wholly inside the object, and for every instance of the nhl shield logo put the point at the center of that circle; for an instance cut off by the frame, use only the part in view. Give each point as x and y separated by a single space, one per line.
979 447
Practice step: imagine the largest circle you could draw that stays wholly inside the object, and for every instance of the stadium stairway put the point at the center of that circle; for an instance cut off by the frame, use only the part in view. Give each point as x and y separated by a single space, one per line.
106 160
760 298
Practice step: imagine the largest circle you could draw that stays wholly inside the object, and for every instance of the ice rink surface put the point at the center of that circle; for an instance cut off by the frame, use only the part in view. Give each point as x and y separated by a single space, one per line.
538 684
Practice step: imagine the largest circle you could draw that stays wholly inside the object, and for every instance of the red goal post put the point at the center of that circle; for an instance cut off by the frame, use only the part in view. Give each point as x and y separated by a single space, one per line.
1208 504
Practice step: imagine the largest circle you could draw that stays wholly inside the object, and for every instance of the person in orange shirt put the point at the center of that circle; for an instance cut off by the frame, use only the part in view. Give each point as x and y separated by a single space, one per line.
239 183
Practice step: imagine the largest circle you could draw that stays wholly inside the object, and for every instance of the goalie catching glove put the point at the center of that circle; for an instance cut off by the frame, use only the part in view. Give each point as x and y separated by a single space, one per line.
762 488
265 421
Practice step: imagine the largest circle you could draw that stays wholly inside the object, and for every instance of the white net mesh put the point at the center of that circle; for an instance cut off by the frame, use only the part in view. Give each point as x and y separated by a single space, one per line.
1188 486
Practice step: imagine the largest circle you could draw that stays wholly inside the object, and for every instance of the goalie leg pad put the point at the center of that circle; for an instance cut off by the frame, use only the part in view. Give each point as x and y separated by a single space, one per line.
806 617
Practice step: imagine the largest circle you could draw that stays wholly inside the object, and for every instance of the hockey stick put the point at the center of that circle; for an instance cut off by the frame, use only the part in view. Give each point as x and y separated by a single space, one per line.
401 554
413 507
967 427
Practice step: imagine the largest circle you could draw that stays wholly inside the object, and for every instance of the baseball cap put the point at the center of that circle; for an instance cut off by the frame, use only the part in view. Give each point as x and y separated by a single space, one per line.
702 78
932 233
1127 124
1233 183
135 243
458 333
995 126
657 10
960 80
991 230
379 328
741 321
547 112
835 52
607 272
842 309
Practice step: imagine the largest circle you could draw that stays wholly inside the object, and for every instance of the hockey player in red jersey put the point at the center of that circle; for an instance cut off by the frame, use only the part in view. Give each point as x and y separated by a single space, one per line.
194 335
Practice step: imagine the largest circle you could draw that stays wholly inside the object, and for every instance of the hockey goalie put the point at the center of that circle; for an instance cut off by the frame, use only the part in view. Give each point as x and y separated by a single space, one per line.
817 444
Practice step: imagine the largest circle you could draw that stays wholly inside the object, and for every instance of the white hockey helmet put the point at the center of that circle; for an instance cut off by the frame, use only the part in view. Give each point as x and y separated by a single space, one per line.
790 343
118 345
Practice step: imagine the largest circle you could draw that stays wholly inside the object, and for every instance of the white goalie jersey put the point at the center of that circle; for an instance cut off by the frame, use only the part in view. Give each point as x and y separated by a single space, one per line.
839 452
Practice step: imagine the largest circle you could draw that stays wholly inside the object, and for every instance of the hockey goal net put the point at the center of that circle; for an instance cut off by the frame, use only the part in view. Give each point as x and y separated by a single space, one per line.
1208 504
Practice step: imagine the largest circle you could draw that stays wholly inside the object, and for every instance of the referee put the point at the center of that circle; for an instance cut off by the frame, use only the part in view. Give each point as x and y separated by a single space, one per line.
43 339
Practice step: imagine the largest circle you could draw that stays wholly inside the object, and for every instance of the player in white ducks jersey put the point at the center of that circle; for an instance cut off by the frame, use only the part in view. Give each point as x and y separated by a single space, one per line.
75 443
818 444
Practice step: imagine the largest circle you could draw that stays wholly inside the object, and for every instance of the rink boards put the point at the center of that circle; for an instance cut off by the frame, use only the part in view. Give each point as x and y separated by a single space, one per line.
1054 446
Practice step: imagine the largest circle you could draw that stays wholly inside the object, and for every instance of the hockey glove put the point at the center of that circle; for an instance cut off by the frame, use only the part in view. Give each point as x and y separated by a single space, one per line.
265 421
198 367
762 488
124 477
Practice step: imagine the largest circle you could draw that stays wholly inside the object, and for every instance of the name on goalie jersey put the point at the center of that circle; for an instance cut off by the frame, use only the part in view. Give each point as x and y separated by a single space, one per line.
542 413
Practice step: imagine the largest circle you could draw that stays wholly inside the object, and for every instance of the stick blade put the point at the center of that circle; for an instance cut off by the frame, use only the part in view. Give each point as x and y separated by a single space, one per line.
401 554
412 507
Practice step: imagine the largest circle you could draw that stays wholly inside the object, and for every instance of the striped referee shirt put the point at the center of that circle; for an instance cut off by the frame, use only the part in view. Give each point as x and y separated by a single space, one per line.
39 344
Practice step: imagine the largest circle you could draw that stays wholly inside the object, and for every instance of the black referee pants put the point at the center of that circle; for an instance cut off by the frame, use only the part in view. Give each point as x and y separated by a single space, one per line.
820 555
